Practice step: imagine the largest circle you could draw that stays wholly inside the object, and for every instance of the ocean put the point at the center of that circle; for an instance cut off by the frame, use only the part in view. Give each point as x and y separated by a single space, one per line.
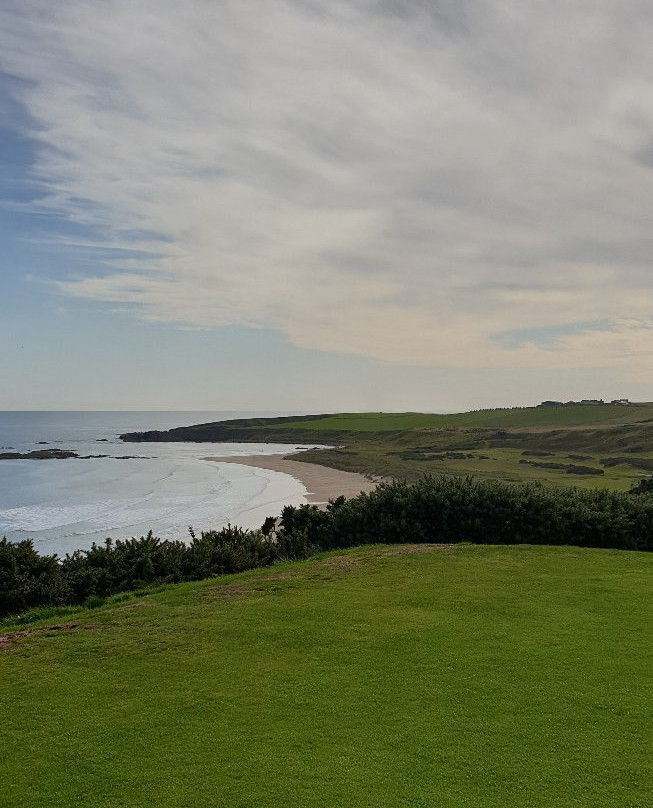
65 505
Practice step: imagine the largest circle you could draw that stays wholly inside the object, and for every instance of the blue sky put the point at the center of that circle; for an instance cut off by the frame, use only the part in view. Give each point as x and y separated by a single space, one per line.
325 206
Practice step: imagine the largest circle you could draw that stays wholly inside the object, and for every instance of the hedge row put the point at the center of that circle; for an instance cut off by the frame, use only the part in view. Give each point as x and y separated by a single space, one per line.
454 509
434 509
28 579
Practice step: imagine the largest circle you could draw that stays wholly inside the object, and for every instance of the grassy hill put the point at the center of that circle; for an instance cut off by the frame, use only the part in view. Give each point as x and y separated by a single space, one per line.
590 446
381 677
532 417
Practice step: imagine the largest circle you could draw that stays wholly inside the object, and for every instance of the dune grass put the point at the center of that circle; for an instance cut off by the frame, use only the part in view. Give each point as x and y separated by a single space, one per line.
385 676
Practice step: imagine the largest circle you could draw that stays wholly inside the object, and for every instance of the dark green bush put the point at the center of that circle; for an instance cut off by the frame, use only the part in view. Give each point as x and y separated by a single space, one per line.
435 509
644 486
452 509
89 576
94 602
231 549
27 579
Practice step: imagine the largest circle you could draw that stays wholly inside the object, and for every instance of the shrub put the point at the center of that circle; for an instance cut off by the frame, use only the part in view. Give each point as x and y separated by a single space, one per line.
26 578
94 602
644 486
434 509
453 509
231 549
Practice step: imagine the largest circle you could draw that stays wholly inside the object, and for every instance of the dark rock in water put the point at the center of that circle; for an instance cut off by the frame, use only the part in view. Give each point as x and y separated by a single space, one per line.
51 454
102 440
42 442
39 454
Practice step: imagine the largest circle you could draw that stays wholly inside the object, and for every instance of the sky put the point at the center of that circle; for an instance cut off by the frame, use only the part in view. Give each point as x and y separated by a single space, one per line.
321 205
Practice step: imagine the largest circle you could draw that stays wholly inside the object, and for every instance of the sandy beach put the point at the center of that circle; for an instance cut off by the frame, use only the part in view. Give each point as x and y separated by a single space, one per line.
322 483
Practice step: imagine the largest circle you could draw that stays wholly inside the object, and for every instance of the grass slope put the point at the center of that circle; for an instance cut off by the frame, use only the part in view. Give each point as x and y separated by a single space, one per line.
534 417
382 677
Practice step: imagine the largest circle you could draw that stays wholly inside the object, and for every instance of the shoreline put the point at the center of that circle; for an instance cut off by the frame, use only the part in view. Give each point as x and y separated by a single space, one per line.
321 482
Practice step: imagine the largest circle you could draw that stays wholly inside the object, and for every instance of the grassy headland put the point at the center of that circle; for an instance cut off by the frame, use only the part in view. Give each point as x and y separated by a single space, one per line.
384 676
590 446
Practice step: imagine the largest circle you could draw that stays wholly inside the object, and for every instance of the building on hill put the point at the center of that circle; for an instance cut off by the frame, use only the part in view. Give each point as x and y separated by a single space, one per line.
585 401
621 402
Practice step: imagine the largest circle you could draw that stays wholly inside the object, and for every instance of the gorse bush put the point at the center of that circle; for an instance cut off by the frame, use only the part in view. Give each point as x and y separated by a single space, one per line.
453 509
231 549
644 486
28 579
435 509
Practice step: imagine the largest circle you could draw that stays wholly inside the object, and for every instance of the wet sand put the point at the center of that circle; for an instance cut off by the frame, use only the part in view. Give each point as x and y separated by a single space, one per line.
321 482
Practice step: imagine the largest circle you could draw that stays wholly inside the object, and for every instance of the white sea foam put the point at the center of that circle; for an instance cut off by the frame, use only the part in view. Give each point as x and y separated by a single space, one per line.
64 505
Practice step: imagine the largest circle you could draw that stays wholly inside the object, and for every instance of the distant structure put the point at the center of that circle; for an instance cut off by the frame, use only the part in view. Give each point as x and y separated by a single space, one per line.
584 402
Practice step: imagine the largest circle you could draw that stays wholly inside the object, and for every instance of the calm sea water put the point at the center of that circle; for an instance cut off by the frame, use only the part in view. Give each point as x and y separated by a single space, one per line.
64 505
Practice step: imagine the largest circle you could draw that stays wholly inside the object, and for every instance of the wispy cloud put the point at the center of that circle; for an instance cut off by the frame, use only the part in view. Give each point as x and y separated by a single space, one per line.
401 180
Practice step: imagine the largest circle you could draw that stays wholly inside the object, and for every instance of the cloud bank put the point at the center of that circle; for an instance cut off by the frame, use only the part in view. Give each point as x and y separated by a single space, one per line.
409 181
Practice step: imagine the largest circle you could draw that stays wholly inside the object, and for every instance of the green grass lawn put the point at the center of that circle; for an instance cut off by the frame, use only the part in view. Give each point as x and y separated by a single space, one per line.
382 677
534 417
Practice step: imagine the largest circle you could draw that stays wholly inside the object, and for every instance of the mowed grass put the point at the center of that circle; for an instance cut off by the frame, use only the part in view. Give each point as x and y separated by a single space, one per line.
385 676
533 417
